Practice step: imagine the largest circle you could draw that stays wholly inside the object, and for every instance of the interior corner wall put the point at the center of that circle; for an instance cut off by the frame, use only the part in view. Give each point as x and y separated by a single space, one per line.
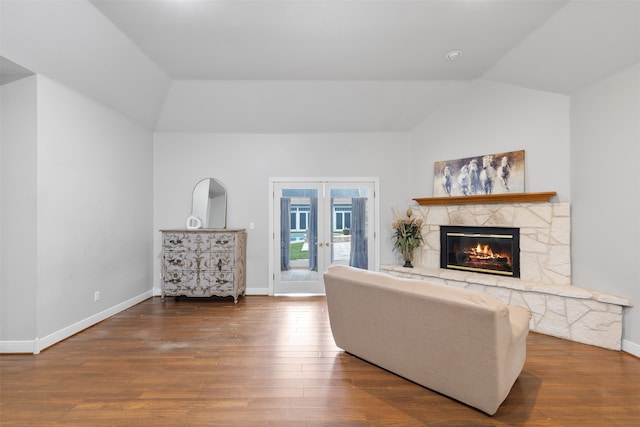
605 188
94 210
245 162
493 117
18 114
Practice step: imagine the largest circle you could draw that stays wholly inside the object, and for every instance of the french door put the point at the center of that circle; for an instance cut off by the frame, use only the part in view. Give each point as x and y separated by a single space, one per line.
317 224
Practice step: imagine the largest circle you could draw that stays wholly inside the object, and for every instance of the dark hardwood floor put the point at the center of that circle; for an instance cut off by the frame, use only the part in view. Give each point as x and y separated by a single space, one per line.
271 361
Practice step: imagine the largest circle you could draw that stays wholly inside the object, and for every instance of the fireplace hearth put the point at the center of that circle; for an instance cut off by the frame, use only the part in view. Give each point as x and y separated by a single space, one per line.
544 281
490 250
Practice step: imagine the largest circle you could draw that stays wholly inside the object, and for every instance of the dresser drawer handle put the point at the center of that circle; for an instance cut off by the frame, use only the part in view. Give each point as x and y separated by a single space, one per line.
175 281
224 242
221 281
175 261
175 242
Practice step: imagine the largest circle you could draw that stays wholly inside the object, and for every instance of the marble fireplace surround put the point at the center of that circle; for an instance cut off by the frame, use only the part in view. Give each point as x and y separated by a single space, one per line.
559 308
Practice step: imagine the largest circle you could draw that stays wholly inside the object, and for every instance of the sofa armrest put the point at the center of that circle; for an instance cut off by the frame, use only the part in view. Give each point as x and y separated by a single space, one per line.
519 318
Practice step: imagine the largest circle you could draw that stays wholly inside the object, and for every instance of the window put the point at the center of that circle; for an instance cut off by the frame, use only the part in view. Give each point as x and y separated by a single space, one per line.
341 217
299 217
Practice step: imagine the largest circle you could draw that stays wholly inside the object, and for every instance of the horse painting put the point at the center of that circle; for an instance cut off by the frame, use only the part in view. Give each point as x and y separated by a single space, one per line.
480 175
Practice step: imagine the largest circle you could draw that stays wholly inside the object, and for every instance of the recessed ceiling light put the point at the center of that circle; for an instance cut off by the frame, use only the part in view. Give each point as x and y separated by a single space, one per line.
453 55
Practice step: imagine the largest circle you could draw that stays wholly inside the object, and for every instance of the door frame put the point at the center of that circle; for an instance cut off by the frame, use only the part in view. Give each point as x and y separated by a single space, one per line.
374 263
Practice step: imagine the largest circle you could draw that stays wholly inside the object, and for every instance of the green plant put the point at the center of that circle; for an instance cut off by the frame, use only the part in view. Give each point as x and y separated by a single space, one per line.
407 236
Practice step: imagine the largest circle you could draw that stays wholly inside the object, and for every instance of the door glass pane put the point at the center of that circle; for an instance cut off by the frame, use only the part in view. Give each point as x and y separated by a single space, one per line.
349 247
299 254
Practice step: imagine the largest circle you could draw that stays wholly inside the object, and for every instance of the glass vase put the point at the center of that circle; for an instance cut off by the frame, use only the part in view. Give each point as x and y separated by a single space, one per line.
407 255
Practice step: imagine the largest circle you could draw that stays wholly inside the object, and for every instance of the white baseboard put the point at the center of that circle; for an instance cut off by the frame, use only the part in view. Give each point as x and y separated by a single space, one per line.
36 345
29 346
631 347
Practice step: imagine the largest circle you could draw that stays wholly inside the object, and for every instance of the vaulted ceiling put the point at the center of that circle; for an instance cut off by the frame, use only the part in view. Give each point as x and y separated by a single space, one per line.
325 40
312 66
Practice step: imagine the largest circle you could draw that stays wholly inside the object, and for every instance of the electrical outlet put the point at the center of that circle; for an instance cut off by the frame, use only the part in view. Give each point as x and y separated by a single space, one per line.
96 296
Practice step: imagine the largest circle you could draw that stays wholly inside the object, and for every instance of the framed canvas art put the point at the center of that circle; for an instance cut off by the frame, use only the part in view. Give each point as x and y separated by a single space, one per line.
497 173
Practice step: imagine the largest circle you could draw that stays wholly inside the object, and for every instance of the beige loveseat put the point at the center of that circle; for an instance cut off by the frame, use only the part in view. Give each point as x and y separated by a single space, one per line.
461 343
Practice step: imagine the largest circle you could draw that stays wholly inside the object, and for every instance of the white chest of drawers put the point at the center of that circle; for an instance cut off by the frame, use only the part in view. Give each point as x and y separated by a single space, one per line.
204 263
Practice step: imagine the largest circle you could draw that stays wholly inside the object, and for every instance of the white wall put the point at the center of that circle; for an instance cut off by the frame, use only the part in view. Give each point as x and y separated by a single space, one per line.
245 162
87 226
492 118
18 211
94 207
605 188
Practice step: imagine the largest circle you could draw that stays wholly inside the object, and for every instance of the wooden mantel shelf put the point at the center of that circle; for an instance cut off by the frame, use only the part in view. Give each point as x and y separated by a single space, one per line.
487 199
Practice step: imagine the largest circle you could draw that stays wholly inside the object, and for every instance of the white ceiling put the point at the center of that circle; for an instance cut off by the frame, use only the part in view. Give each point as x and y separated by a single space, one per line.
325 39
581 43
312 66
10 71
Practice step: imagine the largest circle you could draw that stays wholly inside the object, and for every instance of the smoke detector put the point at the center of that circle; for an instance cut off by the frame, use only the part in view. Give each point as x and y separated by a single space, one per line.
454 55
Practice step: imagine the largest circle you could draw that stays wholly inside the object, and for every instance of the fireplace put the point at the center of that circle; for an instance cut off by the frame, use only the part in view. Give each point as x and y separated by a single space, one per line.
491 250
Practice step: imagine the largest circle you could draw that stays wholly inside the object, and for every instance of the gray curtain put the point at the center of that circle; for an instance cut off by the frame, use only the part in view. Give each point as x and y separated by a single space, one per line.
312 234
359 255
285 233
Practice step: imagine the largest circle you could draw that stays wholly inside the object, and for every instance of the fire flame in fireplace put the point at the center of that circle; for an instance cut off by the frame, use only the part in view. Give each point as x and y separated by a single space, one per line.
484 252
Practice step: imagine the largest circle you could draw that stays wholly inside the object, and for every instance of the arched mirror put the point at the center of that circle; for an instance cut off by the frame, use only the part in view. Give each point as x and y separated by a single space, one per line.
209 204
